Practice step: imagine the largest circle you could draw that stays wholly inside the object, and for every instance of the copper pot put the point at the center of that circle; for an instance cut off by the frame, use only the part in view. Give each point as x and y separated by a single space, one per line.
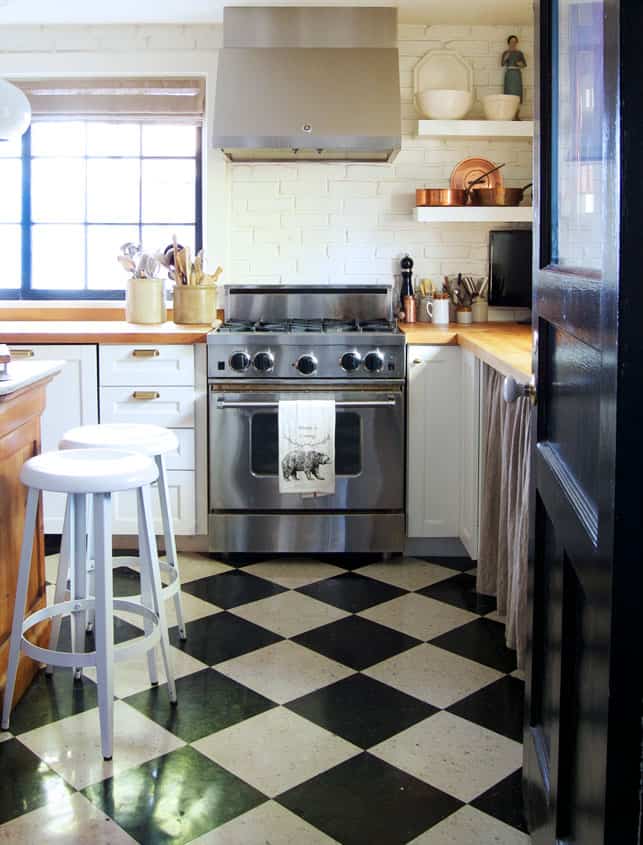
498 196
440 196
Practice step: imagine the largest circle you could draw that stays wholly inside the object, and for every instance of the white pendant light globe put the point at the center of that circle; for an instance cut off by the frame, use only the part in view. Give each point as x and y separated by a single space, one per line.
15 111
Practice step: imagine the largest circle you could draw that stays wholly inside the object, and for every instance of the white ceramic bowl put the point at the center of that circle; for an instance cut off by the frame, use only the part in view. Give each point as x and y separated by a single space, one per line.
444 103
500 106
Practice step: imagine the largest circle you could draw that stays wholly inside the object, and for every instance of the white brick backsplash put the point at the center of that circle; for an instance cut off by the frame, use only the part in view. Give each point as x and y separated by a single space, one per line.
353 222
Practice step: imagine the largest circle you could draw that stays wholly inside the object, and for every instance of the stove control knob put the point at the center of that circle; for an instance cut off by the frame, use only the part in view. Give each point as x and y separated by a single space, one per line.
306 364
239 361
264 362
374 362
350 361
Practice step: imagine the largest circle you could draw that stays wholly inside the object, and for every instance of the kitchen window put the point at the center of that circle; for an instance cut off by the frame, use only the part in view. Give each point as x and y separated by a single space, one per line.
75 188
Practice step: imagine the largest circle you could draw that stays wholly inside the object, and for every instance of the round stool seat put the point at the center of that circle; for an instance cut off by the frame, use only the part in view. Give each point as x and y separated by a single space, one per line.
135 437
89 471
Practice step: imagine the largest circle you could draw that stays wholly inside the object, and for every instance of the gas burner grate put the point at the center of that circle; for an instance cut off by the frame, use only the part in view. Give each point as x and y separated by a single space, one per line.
234 326
279 326
385 326
303 325
340 326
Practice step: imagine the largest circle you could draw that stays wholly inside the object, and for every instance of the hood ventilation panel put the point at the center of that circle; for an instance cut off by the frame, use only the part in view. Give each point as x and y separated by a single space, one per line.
308 84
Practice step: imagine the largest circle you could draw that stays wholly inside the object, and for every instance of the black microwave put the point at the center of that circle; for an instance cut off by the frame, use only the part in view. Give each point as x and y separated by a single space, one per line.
510 270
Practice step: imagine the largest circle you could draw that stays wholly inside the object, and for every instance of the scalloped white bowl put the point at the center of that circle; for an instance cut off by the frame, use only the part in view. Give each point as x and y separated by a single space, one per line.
444 103
500 106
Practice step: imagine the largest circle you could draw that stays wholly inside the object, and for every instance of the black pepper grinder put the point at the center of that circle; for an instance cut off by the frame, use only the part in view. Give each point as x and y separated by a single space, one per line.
406 266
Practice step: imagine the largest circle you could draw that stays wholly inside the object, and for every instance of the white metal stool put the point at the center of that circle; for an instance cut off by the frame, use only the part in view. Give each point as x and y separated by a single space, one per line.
152 440
95 473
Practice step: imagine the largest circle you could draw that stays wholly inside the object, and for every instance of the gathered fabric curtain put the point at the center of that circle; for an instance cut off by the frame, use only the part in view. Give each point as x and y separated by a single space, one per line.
504 528
105 99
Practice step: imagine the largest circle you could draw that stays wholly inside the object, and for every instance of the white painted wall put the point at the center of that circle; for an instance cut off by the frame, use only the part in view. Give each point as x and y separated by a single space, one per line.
306 222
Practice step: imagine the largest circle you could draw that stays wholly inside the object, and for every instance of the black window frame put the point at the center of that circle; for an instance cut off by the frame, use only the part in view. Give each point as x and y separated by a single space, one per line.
25 292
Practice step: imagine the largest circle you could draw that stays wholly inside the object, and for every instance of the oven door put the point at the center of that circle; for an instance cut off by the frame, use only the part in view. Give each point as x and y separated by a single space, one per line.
244 451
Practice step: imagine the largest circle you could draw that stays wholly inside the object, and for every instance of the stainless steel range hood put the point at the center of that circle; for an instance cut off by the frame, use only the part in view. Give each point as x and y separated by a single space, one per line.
308 84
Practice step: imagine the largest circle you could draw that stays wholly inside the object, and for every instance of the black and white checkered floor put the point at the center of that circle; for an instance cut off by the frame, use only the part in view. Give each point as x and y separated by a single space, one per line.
318 703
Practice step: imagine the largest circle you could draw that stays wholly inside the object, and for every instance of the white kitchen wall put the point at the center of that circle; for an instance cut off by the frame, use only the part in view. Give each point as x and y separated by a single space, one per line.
306 222
351 223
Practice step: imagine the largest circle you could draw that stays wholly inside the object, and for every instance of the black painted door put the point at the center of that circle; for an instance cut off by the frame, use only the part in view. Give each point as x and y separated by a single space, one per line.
583 721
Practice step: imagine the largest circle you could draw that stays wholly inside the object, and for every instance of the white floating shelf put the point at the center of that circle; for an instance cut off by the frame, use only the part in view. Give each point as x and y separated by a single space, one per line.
474 214
476 128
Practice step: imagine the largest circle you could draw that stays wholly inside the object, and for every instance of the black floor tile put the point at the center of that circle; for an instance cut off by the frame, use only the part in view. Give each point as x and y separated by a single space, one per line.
481 640
351 591
127 582
207 702
460 591
50 698
504 801
499 707
27 782
356 642
221 636
174 798
364 801
361 710
232 588
463 564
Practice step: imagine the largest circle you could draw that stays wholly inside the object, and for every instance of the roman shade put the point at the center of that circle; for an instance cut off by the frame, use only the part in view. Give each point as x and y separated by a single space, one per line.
179 99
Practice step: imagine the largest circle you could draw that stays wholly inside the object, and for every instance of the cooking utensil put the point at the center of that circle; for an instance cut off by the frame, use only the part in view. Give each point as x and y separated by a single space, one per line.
498 196
469 170
425 197
483 177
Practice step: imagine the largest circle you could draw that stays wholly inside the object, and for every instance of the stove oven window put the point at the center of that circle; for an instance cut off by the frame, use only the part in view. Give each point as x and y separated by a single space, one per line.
264 444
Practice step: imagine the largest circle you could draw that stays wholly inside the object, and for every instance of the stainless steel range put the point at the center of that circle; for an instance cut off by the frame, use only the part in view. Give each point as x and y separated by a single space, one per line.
302 343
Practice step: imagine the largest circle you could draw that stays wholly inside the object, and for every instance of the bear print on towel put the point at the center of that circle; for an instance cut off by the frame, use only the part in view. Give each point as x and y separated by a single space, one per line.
306 461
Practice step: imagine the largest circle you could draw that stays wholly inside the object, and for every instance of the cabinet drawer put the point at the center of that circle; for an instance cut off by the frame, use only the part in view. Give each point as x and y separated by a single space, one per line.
182 499
146 364
172 407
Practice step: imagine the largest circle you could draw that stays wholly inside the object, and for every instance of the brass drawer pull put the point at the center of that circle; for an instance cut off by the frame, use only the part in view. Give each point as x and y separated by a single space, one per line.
22 353
144 395
145 353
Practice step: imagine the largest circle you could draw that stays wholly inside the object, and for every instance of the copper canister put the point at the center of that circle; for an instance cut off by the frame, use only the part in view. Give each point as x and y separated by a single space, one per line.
409 309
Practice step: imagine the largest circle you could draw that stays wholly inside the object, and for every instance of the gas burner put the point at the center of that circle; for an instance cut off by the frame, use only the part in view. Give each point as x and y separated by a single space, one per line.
340 326
272 326
386 326
233 326
302 325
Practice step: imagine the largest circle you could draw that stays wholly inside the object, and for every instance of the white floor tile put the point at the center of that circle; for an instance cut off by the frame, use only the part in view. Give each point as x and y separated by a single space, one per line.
496 617
132 676
284 671
293 573
276 750
5 735
457 756
71 821
268 824
418 616
409 573
469 826
433 674
289 614
193 566
71 746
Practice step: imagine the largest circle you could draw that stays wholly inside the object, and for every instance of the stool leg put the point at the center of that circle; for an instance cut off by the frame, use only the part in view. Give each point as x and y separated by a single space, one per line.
79 576
91 590
168 534
61 579
150 561
103 627
147 599
22 586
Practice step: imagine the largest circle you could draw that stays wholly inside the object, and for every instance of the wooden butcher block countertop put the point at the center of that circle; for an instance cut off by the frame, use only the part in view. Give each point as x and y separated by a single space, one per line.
504 346
98 331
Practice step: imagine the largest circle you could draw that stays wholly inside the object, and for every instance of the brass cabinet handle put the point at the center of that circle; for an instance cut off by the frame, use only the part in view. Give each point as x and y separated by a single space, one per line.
143 395
145 353
21 353
417 361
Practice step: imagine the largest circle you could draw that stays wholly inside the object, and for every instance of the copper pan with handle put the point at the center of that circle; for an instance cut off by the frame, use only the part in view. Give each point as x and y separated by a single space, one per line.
450 196
498 196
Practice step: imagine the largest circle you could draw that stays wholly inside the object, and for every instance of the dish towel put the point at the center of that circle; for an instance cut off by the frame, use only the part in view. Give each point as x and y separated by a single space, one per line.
307 447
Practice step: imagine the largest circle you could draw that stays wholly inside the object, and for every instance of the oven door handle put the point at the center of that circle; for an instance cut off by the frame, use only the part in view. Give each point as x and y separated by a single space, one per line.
357 403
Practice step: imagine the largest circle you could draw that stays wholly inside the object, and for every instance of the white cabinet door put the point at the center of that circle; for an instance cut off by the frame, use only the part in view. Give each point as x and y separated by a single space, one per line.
72 399
434 441
470 458
181 487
